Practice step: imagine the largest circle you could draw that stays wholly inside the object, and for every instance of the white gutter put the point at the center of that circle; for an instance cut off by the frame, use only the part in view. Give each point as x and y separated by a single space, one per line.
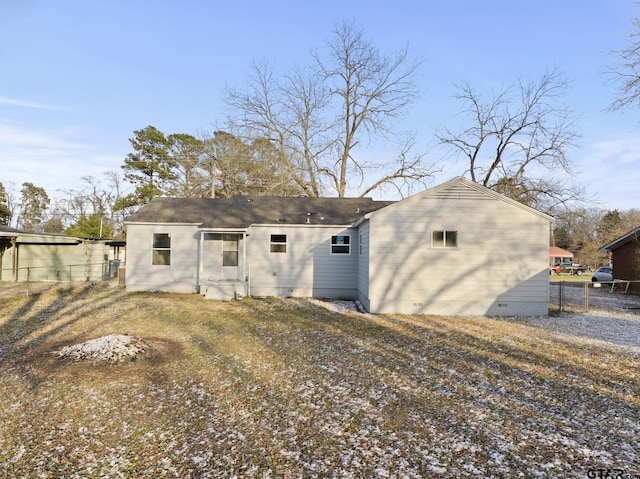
362 219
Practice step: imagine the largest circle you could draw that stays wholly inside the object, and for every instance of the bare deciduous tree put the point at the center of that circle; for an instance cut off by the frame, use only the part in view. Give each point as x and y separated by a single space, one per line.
626 72
322 118
235 167
89 211
586 230
518 141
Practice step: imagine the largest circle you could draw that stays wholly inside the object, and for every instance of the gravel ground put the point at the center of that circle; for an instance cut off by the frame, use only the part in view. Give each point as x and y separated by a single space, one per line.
613 317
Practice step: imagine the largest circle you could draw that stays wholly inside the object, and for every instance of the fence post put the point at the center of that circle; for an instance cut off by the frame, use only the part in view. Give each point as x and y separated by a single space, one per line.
586 297
560 296
28 277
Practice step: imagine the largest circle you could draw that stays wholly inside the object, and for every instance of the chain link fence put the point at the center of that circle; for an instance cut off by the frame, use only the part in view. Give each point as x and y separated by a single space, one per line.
569 296
35 279
581 296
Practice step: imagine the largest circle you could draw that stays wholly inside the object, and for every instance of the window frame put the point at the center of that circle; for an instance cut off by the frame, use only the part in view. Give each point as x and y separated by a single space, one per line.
444 242
278 246
336 247
226 239
160 250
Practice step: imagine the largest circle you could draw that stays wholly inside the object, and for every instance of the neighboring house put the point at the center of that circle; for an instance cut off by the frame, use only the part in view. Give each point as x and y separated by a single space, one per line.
625 257
559 256
455 249
50 257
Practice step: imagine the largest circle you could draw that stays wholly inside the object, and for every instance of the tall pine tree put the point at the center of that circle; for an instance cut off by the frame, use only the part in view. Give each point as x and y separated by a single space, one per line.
5 212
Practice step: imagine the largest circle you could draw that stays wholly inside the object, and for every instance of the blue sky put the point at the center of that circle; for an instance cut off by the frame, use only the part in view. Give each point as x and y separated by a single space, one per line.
78 77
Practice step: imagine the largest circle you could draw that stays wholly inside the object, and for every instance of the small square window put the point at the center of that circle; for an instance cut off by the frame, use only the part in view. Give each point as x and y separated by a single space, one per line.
278 244
444 239
341 244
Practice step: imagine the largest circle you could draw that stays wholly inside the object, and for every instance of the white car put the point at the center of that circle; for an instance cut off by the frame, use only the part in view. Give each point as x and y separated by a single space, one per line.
604 273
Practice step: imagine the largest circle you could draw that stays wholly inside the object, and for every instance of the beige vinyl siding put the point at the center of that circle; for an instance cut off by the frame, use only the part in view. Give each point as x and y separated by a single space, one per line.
363 264
178 277
498 267
307 269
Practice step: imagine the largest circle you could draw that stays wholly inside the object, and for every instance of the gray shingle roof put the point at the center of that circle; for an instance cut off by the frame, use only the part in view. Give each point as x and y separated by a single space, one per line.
243 211
7 229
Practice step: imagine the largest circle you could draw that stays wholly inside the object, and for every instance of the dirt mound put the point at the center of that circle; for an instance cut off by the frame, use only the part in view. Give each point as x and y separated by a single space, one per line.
114 348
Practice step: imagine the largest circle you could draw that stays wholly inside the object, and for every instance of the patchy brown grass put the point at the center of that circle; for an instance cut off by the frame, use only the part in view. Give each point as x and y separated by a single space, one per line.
287 388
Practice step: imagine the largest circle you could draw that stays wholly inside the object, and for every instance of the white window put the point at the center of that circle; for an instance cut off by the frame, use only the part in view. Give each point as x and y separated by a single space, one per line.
229 250
341 244
278 244
444 239
161 252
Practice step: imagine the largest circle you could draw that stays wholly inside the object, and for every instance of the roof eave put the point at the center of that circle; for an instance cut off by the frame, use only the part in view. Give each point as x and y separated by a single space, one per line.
622 240
500 196
164 223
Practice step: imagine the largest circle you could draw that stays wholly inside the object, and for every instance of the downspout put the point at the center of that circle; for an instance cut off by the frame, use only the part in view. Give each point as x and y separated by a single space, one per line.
14 259
200 263
244 262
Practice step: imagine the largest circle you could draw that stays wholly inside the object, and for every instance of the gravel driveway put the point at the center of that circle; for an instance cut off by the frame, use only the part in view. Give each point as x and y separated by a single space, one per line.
613 317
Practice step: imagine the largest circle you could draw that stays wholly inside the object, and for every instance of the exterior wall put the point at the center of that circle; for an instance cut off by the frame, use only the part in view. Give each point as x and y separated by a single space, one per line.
626 263
178 277
498 268
307 269
56 262
363 265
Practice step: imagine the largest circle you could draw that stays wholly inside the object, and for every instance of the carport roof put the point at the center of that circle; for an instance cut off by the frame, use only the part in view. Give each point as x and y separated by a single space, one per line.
8 231
25 237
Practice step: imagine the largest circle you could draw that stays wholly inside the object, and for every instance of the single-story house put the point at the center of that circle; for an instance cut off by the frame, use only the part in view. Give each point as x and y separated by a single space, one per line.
559 256
625 257
456 249
51 257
